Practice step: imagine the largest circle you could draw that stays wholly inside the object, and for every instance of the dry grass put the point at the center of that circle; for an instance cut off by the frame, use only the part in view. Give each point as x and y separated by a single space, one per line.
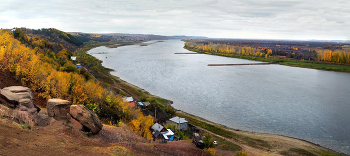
19 117
114 150
43 111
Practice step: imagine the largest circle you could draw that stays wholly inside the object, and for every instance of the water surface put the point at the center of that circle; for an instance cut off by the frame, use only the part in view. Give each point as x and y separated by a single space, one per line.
308 104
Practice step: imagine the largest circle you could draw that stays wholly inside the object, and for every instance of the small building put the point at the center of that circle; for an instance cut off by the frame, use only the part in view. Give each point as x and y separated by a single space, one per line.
158 131
168 135
158 135
158 127
128 99
140 104
78 65
132 104
146 104
180 122
74 58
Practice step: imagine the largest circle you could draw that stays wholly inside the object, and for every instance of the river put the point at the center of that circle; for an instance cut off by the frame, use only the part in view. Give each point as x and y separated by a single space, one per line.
308 104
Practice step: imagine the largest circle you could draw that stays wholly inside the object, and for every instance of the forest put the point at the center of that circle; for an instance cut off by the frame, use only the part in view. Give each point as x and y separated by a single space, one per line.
46 68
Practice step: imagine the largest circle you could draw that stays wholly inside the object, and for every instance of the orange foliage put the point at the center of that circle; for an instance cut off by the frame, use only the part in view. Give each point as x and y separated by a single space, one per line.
211 151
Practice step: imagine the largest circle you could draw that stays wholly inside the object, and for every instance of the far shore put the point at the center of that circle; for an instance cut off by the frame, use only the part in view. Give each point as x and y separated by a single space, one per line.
286 62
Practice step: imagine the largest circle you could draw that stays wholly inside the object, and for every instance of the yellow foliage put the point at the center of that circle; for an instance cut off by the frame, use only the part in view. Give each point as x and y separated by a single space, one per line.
39 73
141 125
335 57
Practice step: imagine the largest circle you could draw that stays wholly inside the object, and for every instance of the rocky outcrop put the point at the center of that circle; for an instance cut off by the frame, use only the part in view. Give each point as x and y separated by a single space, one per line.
58 108
19 98
86 118
77 116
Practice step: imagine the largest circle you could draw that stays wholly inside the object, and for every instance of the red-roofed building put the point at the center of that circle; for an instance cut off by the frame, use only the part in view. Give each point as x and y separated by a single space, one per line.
132 104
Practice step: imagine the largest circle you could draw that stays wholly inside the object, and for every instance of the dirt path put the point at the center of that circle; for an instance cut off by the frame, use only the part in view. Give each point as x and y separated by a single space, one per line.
249 150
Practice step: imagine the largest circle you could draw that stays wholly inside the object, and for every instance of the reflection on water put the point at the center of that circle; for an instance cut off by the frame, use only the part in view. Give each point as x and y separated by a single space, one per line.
304 103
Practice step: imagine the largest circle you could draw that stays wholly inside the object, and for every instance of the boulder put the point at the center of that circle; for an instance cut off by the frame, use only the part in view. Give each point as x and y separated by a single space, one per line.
58 108
74 122
19 97
85 117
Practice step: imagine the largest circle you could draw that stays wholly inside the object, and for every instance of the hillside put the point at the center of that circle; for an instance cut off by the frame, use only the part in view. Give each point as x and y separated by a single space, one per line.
56 139
36 62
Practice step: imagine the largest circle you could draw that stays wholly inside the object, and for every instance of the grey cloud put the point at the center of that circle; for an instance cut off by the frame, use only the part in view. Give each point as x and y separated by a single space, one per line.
214 18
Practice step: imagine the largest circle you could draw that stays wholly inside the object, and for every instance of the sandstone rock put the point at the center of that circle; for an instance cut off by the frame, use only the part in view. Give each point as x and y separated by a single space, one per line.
32 110
86 118
58 108
25 95
44 120
23 108
26 102
18 97
9 97
74 122
17 89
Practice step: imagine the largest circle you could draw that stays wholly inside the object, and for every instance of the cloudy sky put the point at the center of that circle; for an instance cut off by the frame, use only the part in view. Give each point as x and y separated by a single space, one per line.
262 19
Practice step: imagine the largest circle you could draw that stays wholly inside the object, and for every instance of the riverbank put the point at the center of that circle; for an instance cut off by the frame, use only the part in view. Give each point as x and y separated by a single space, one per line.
287 62
121 87
260 143
252 142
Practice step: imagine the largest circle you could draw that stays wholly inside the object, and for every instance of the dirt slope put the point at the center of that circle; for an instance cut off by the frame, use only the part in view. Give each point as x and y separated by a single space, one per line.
57 139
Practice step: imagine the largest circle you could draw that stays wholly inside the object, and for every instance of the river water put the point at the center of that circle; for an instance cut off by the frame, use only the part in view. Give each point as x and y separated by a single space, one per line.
308 104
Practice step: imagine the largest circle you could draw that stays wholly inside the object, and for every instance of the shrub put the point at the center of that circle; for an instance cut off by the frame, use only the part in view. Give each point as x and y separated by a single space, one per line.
243 153
211 151
208 143
173 127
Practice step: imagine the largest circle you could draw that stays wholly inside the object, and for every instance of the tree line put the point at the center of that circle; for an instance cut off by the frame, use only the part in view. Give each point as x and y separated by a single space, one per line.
328 56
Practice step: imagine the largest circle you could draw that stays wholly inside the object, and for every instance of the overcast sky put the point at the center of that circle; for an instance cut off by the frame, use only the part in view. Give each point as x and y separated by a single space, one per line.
263 19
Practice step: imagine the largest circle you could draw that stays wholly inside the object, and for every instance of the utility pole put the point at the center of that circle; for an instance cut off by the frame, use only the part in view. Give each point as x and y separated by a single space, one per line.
155 112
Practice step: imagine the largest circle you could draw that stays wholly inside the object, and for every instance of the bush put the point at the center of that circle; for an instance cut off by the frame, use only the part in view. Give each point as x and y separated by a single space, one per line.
243 153
208 143
182 135
173 127
211 151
